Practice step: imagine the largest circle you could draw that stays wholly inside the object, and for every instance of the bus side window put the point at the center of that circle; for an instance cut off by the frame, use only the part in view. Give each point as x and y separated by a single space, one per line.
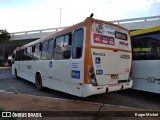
47 50
62 48
67 46
18 56
77 45
36 52
68 40
29 53
44 50
58 48
50 48
23 55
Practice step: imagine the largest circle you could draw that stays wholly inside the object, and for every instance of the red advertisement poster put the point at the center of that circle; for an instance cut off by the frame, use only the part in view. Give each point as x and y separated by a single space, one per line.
102 39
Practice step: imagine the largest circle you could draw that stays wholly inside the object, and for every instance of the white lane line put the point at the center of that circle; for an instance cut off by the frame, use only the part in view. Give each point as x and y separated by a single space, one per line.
129 107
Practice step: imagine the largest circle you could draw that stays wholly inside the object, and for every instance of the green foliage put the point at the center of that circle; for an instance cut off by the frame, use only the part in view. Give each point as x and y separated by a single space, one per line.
4 36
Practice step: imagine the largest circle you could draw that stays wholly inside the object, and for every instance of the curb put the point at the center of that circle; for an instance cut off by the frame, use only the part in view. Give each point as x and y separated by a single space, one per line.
5 67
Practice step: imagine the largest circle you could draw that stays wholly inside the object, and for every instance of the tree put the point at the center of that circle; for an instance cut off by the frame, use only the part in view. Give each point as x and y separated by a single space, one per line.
4 37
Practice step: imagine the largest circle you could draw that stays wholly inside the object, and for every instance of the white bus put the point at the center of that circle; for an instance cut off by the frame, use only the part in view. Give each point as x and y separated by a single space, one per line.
91 57
146 59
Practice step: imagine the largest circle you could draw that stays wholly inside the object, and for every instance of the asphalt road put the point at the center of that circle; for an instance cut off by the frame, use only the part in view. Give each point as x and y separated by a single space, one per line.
129 98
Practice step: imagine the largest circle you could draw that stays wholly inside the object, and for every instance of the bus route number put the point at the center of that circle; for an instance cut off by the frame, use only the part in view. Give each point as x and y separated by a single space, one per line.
125 56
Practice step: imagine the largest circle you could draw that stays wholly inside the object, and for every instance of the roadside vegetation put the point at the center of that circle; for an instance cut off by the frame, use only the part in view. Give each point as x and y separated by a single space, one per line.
4 38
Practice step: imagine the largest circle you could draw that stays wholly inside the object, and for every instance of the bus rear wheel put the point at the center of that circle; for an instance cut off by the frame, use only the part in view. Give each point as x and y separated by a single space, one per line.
39 82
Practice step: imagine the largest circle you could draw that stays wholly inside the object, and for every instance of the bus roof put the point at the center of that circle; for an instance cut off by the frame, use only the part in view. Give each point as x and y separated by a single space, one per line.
53 35
67 30
147 30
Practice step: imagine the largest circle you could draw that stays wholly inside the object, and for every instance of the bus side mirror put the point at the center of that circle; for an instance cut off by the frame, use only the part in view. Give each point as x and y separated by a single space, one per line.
66 54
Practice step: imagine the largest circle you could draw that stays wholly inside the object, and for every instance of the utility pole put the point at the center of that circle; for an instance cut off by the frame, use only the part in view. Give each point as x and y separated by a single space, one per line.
60 16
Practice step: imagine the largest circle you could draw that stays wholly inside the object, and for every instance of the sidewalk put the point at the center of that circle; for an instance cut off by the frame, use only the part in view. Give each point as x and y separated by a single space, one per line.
19 102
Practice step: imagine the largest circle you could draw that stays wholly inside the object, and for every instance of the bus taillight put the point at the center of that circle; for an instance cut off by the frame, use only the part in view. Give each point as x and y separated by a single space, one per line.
91 70
92 76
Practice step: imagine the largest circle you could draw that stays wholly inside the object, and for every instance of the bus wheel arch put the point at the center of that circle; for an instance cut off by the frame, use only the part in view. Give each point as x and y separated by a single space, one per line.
38 81
15 72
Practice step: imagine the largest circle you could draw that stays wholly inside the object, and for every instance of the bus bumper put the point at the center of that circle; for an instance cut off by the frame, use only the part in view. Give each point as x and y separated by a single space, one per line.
89 89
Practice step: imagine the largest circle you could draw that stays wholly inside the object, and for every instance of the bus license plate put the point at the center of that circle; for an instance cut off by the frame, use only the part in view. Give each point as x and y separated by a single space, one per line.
114 76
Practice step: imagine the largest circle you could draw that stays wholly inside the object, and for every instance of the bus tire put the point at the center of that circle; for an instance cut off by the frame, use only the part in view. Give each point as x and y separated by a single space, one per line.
38 81
17 77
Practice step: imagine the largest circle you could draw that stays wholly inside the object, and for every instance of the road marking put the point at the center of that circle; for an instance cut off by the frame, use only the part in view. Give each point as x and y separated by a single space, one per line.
130 107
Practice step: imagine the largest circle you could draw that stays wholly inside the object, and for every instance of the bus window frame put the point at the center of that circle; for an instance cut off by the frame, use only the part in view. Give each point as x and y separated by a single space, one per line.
70 34
34 51
82 42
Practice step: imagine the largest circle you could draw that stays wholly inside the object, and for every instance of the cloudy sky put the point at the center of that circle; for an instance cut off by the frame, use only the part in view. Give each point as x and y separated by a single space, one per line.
23 15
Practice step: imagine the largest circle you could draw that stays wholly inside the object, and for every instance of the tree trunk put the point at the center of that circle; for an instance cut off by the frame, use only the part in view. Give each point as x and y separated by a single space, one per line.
3 51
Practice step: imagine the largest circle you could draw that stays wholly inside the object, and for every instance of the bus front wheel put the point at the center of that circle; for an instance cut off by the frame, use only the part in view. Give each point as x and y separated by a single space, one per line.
39 82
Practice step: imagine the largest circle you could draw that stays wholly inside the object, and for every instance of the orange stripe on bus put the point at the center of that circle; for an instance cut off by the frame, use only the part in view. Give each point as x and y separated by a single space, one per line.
88 59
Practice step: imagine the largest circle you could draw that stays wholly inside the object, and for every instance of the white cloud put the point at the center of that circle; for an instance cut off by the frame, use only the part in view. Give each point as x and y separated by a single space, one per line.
47 13
132 5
